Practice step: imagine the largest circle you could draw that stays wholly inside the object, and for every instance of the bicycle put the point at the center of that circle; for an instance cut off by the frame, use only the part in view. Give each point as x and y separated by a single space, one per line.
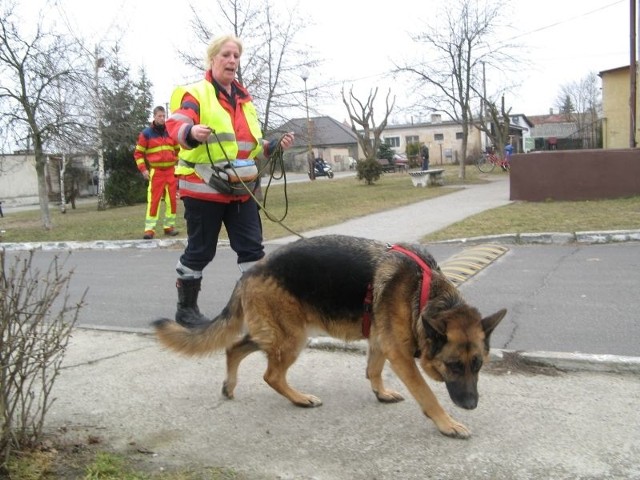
487 162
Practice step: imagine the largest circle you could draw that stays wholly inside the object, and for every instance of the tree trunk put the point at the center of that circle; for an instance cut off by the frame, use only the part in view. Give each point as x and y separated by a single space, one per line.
43 194
63 199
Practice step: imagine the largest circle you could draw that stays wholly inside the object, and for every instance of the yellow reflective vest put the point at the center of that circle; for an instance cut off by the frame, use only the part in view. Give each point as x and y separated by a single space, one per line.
222 146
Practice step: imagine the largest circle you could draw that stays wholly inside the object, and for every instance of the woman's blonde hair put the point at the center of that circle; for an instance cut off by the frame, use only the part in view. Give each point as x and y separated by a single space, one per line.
216 45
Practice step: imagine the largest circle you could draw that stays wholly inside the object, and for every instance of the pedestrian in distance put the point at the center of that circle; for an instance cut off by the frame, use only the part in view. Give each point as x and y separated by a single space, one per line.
424 153
156 156
508 151
216 125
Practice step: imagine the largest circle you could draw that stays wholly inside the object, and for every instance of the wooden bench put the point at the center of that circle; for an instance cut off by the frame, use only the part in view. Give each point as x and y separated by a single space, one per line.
423 178
386 165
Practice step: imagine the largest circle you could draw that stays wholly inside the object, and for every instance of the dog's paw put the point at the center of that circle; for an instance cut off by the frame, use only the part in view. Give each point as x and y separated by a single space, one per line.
227 390
388 396
308 401
454 429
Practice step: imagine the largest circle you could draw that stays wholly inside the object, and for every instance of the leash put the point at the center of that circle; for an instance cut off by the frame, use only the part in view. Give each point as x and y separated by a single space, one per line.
424 291
275 160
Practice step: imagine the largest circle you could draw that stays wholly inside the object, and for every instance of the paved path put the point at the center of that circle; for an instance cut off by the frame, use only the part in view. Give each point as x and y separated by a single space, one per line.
412 222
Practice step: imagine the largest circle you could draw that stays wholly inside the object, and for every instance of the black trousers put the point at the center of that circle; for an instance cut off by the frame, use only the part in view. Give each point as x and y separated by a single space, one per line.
204 221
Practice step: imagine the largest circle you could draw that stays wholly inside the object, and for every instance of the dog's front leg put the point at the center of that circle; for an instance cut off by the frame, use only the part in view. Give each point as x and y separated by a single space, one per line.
405 367
375 365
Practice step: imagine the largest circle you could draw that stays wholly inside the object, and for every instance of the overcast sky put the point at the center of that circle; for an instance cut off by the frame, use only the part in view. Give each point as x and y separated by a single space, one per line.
560 41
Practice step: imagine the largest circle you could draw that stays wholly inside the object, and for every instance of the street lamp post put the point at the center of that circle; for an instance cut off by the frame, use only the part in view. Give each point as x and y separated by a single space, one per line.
305 76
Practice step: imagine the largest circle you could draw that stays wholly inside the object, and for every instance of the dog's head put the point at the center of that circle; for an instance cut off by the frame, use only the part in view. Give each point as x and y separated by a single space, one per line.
456 347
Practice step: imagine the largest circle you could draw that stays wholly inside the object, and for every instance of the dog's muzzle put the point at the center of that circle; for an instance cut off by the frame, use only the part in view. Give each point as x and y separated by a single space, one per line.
463 394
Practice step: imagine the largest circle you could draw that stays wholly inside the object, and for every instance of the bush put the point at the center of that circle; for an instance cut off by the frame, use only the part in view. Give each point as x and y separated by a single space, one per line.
34 339
413 155
412 150
125 188
369 170
385 151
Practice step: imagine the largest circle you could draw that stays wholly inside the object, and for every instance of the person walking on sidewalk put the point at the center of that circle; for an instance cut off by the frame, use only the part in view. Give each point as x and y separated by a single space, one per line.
216 125
156 156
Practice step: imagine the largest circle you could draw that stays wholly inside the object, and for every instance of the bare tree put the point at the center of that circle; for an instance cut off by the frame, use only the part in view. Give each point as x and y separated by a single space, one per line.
272 58
564 103
584 97
35 69
461 45
362 122
70 138
238 17
494 122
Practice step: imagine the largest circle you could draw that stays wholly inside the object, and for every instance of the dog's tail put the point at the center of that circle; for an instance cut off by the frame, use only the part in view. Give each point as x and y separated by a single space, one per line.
220 333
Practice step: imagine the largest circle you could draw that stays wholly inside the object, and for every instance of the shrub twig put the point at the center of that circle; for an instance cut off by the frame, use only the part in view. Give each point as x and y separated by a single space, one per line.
36 321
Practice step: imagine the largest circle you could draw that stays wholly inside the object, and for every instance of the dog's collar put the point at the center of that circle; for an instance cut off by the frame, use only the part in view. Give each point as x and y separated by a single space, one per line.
426 273
424 292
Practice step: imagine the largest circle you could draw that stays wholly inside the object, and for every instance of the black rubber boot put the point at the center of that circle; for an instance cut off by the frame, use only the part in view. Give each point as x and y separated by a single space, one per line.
188 314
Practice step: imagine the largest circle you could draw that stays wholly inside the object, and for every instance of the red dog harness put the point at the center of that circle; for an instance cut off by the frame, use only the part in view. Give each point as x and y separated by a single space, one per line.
424 292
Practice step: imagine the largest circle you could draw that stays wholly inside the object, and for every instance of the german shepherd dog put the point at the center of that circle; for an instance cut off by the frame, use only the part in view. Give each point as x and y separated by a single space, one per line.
337 284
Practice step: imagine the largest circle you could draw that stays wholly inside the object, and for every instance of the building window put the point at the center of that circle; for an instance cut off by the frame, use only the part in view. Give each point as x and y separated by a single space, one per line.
458 135
393 142
411 139
438 137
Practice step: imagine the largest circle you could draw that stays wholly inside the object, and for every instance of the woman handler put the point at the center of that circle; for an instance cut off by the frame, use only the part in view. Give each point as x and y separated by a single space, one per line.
216 125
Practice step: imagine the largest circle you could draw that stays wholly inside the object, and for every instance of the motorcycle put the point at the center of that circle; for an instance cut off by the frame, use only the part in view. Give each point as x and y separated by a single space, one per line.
323 170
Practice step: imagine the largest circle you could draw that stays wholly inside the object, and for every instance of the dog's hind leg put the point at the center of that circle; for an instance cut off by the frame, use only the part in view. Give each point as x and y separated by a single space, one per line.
375 365
235 354
279 359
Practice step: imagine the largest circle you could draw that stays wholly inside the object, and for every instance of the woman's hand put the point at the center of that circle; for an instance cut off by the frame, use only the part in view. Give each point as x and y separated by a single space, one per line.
287 140
200 133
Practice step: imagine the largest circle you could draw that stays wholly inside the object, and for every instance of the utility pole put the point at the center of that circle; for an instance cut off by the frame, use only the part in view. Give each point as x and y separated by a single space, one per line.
633 69
483 105
99 63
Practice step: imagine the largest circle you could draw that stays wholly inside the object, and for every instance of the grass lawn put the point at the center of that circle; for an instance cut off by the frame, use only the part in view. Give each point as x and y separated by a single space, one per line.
530 217
312 205
307 205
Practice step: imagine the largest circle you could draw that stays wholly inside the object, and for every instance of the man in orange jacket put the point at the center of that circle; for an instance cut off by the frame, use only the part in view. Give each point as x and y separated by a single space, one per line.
156 157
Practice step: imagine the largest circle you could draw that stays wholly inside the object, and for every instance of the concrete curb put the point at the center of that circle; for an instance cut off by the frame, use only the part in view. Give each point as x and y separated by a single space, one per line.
544 238
561 360
548 238
584 362
96 245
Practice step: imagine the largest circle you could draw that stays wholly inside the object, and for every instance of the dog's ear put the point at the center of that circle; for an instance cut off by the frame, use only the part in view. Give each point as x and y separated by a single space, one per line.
435 329
438 323
491 322
436 315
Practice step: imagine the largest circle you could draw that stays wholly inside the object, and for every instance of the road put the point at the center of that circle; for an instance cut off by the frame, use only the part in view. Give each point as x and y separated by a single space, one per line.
560 298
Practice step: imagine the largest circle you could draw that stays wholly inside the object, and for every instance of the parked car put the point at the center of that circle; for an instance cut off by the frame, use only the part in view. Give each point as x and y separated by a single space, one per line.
401 161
